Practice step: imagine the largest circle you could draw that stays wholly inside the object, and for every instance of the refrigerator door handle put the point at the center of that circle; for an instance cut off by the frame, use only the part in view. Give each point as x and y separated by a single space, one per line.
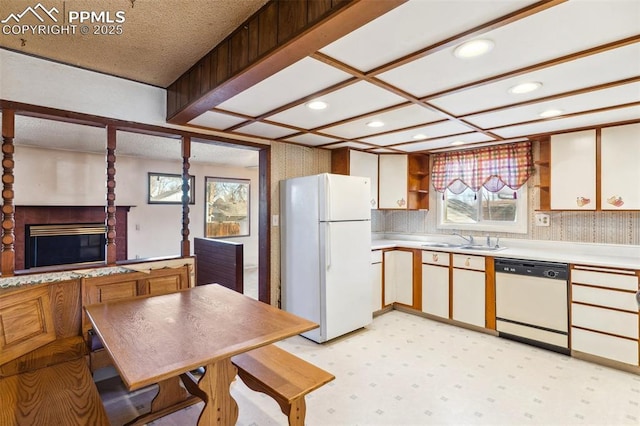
327 246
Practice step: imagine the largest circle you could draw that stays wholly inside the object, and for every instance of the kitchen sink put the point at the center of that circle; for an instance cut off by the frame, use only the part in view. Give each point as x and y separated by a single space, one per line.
480 247
443 245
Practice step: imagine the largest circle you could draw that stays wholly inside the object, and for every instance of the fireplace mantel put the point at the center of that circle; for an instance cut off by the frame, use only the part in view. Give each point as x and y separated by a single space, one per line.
54 215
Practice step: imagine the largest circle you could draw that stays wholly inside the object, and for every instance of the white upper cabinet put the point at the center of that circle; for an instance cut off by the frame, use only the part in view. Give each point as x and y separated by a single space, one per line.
620 168
366 164
393 181
573 171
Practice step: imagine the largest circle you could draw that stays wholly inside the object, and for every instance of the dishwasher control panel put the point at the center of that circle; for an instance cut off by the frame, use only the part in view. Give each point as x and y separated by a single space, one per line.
551 270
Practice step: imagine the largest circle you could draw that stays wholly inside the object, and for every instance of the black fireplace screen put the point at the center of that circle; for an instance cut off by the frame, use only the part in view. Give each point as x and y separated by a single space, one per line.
49 245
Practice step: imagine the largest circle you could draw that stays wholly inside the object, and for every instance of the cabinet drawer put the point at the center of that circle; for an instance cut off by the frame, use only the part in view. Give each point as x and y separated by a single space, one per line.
616 348
604 297
606 320
435 258
376 256
468 262
605 279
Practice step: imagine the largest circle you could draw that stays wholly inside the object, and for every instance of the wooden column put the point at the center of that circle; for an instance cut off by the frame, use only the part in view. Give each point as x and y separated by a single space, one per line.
111 196
8 209
185 249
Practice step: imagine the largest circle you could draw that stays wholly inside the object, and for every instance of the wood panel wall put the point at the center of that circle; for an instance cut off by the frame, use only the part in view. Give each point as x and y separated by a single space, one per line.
219 261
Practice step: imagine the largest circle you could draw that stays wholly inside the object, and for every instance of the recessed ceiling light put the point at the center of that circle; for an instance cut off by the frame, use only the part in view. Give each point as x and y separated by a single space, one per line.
551 113
317 105
420 136
473 48
456 143
525 87
375 123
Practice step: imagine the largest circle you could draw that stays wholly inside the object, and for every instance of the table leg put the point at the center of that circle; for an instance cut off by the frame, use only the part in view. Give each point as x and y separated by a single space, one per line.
220 408
170 398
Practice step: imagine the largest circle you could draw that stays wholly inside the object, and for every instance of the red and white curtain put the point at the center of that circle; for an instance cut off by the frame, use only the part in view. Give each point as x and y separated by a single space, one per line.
492 167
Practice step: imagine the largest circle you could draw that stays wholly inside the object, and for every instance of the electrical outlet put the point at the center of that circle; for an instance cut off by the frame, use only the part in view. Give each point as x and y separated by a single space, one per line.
275 220
542 219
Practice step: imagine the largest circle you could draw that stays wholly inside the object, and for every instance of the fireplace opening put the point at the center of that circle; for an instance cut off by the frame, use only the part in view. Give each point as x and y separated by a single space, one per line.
61 244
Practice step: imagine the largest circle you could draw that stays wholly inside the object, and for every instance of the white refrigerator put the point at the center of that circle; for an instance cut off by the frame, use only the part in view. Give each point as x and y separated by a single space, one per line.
325 250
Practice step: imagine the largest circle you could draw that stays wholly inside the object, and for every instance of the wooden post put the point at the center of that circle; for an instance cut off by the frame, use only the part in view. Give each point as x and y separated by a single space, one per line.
8 258
111 196
185 249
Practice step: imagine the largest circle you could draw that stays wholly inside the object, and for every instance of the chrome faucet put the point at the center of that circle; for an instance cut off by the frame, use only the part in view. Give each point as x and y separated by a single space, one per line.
469 240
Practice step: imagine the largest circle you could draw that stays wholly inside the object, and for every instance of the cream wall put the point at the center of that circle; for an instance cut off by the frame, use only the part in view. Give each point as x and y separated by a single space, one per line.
49 177
288 161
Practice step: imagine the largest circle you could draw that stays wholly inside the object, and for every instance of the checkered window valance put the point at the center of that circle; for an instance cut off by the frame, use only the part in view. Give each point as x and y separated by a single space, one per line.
492 167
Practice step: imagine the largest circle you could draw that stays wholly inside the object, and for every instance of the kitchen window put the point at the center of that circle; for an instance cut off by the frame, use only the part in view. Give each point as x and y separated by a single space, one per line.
483 189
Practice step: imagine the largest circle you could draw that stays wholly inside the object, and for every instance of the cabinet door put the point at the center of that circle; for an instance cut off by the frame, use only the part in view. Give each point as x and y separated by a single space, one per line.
620 172
393 181
366 164
435 290
469 297
376 286
573 171
398 277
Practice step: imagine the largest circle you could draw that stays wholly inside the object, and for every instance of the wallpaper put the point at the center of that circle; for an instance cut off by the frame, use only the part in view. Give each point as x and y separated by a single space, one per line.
288 161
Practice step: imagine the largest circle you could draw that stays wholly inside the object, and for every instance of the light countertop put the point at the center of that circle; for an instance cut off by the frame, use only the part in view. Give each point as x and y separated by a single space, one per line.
603 255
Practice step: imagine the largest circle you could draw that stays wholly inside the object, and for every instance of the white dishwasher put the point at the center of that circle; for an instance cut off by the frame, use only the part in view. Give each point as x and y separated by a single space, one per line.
532 303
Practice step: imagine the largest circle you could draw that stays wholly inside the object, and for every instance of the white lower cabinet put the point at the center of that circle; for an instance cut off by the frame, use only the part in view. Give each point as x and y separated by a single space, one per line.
435 283
376 280
398 277
604 313
469 290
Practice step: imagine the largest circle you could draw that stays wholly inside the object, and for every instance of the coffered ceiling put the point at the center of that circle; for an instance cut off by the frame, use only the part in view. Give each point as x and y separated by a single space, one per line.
400 69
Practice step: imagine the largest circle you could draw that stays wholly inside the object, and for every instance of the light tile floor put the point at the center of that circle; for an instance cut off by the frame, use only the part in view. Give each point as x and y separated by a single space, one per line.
408 370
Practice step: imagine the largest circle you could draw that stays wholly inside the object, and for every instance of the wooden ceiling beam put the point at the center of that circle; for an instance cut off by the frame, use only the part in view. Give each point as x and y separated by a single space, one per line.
278 35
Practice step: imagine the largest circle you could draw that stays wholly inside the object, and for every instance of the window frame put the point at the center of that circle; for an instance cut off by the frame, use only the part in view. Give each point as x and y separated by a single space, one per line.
520 226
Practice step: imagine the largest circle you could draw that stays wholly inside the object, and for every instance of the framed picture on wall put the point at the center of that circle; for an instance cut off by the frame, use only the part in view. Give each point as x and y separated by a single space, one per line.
166 188
226 207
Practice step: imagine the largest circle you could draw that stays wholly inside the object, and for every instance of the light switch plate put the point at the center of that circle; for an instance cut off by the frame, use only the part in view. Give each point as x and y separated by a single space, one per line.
542 219
275 220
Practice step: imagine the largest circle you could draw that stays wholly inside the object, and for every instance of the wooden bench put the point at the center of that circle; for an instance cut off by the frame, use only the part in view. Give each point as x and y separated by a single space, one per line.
44 375
283 376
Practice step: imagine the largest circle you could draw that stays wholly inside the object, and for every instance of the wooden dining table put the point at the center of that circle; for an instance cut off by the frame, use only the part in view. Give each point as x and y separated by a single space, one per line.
161 339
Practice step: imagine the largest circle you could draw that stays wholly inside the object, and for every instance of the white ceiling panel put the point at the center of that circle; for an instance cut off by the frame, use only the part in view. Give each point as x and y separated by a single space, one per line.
444 142
216 120
555 125
430 131
301 79
618 95
58 135
561 30
412 26
592 70
265 130
312 139
350 145
396 119
384 151
350 101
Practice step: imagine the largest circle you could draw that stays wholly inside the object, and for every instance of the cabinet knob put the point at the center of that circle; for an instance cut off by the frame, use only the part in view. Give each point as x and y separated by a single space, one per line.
373 202
615 200
467 262
434 257
401 202
582 201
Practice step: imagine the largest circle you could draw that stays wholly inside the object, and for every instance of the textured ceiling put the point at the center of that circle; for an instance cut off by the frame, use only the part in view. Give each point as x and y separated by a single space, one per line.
159 40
